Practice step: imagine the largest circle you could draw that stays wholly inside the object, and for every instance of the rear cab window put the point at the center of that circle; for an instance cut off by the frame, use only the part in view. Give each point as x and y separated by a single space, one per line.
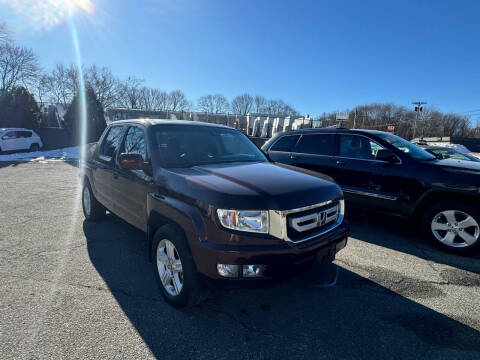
317 144
111 143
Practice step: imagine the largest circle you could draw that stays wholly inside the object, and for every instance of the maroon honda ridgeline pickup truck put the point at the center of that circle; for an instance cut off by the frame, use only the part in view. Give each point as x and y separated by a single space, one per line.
211 203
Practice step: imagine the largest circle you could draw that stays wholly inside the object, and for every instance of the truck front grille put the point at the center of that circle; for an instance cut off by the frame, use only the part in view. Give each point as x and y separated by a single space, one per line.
307 223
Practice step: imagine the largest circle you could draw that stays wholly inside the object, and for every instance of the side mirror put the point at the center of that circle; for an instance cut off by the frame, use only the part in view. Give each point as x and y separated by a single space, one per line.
386 155
131 161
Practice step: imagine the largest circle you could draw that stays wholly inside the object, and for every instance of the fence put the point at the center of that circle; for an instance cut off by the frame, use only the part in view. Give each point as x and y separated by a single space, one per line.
55 138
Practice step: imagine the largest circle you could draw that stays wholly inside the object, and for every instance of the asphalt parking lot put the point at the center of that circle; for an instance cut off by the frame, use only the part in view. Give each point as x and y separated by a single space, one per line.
73 289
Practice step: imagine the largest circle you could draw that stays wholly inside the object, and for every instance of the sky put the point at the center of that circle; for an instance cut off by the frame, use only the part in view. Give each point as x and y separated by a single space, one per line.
319 56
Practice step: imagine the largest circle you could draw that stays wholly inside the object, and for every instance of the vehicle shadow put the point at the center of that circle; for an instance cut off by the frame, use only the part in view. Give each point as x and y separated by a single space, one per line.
357 318
4 164
402 235
72 162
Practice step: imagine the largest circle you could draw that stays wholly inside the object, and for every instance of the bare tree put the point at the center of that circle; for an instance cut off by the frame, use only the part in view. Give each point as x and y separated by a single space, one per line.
40 88
221 104
259 104
18 66
3 33
61 84
162 100
178 101
206 104
242 104
130 93
150 99
105 85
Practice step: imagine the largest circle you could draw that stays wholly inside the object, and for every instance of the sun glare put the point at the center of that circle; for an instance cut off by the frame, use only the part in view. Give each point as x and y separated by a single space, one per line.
49 13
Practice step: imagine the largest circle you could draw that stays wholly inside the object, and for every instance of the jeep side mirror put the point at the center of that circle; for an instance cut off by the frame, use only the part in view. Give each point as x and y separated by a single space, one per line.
131 161
386 155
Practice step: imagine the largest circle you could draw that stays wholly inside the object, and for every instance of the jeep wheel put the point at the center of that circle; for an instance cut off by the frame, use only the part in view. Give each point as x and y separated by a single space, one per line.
92 209
34 147
175 269
454 227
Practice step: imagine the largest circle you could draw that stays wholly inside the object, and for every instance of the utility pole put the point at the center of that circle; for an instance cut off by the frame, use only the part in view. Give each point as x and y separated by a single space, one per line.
418 108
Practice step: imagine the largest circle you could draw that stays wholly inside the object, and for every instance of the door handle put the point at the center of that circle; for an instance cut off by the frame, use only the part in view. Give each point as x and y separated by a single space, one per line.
293 157
341 163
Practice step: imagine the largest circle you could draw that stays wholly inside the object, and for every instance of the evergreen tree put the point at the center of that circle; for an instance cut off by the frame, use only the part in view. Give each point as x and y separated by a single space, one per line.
18 108
95 117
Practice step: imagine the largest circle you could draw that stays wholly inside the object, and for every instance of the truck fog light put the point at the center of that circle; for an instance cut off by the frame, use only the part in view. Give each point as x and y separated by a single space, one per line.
252 270
227 270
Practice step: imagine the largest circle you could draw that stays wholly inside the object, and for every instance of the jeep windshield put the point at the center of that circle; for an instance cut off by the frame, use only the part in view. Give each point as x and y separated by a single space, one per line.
187 146
407 147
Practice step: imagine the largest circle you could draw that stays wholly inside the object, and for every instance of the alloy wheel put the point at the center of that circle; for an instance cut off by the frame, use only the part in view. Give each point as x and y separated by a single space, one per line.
455 228
169 267
87 204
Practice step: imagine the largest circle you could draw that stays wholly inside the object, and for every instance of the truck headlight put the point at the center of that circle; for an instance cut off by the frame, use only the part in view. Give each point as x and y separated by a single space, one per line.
244 220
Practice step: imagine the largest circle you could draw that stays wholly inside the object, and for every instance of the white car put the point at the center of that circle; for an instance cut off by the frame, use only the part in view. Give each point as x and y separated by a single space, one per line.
14 139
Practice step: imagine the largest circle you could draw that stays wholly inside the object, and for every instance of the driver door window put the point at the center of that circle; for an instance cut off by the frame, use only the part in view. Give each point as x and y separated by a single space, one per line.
130 187
111 143
135 142
358 147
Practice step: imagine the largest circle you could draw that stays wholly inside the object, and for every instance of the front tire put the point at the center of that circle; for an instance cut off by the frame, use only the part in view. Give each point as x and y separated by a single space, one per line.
92 209
34 147
175 269
453 227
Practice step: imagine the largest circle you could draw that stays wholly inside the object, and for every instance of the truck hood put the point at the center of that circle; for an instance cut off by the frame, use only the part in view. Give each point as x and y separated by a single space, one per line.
251 186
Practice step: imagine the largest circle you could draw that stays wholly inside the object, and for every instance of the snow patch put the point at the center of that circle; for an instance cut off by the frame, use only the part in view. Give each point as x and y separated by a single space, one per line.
70 153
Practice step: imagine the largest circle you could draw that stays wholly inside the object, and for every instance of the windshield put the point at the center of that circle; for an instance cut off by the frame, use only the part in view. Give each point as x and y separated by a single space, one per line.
187 146
407 147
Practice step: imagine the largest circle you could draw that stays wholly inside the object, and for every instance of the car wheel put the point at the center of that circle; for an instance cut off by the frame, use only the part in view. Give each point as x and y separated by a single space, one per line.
92 209
34 147
453 226
175 268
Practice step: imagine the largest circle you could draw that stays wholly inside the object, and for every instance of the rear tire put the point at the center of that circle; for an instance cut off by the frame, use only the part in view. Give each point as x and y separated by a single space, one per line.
453 227
34 147
181 286
92 209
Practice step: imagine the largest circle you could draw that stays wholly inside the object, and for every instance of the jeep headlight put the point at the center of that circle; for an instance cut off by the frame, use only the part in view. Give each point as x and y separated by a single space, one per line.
244 220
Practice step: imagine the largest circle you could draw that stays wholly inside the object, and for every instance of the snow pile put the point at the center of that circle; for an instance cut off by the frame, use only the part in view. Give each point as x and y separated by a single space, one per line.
70 153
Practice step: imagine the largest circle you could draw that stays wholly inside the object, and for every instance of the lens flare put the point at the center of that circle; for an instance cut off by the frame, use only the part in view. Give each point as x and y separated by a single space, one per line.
53 12
49 13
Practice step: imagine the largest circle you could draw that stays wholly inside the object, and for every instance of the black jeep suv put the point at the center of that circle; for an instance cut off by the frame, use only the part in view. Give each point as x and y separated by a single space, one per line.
384 172
211 204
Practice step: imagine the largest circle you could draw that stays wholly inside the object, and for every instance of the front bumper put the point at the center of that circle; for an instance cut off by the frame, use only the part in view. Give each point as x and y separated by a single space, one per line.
280 260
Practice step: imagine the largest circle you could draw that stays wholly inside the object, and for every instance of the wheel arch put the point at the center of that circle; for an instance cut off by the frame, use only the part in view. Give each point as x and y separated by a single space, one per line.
185 218
437 196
